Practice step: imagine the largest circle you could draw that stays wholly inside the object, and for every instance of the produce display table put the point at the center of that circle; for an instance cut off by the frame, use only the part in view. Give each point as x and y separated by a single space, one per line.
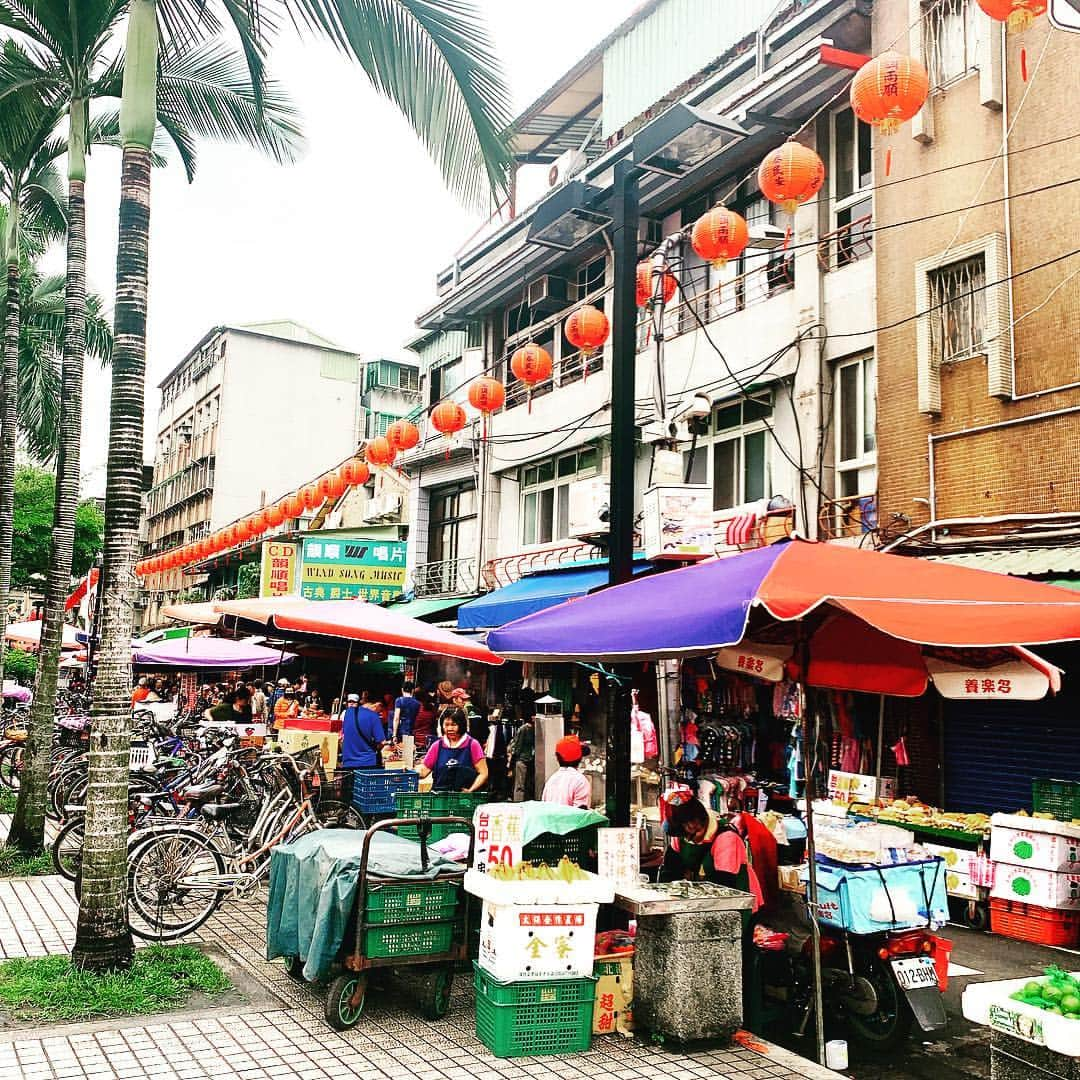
688 958
954 837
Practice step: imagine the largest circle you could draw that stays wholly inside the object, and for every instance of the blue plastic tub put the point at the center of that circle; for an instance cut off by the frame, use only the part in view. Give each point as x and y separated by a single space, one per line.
869 899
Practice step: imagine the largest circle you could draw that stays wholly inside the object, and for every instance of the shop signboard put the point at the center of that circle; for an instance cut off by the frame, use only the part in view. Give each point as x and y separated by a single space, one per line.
677 522
1014 680
345 568
762 661
618 855
278 572
499 828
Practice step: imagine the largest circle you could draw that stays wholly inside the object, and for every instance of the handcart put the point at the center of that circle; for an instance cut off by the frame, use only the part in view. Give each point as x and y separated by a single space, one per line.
403 922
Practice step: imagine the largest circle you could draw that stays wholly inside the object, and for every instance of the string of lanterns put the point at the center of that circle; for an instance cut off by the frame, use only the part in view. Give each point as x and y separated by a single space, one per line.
885 92
329 487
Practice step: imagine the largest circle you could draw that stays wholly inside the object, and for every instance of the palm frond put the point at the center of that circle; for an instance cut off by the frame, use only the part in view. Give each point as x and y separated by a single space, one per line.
433 59
207 92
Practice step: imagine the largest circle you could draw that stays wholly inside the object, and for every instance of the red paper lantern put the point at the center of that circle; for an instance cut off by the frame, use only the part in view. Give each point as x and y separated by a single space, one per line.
448 417
1018 15
309 496
720 235
646 283
889 90
293 507
331 486
402 435
355 472
255 525
790 175
275 515
487 395
532 364
587 329
379 452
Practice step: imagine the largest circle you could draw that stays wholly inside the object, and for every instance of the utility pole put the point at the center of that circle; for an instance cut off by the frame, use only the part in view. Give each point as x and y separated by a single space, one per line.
621 501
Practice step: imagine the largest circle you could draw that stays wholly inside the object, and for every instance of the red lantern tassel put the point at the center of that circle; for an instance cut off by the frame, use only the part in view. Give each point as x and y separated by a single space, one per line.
787 238
1023 65
888 161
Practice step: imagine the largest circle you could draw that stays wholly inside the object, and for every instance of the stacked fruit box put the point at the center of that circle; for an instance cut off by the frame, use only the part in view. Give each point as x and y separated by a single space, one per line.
534 976
1036 892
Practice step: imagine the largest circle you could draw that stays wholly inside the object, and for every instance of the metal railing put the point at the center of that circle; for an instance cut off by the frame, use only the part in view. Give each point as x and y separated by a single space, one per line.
846 245
852 516
509 568
451 577
737 293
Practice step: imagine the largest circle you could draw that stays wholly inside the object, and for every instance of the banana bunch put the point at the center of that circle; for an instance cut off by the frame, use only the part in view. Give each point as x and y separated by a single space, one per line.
567 872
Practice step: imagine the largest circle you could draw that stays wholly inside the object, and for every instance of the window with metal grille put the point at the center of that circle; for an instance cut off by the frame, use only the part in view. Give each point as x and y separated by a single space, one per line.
958 308
950 40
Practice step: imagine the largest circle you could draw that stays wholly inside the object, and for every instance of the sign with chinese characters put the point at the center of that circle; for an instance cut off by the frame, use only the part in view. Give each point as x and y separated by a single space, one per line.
1013 680
761 661
618 855
278 573
555 941
499 829
677 522
341 568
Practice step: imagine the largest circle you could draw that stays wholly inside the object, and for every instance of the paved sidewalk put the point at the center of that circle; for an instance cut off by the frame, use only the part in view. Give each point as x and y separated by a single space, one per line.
292 1039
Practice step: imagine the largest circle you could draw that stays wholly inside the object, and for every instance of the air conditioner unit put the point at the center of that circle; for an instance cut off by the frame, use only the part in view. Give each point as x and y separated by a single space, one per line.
565 166
666 431
549 294
589 508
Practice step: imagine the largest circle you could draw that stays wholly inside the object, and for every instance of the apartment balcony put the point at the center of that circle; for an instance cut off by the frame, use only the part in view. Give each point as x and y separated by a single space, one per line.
846 245
507 569
753 525
853 519
450 577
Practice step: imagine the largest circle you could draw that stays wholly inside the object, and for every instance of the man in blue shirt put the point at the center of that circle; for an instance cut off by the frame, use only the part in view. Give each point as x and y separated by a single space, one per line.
363 736
405 709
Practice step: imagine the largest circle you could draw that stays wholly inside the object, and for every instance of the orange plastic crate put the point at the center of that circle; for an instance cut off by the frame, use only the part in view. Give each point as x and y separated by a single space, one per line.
1039 925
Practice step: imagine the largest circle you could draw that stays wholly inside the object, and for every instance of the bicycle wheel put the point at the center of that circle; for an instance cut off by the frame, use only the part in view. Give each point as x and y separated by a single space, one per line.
174 884
67 848
11 763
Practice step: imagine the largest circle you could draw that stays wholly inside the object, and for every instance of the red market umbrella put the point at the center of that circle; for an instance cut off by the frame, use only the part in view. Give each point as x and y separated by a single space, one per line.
356 620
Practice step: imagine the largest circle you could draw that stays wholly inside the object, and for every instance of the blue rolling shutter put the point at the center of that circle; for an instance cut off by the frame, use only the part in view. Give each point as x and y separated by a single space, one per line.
993 750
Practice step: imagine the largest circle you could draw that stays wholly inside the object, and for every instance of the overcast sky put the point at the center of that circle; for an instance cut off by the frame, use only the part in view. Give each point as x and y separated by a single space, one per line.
347 241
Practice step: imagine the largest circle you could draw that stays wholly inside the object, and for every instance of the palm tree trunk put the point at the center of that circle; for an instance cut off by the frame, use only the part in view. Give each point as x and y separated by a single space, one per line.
8 392
102 938
28 827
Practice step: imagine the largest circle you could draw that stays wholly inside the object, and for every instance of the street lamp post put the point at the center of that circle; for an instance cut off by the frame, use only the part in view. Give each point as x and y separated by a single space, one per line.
674 144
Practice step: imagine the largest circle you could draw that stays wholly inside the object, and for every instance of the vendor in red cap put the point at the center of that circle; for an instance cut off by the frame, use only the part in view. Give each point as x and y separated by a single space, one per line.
567 786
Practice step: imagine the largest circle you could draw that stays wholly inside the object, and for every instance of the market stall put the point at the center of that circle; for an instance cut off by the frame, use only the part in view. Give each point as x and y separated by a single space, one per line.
827 616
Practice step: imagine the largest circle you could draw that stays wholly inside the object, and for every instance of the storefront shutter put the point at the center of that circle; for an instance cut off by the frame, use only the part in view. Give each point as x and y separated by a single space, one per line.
994 749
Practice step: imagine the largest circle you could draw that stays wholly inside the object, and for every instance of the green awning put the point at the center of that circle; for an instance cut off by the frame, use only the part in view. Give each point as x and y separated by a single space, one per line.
427 608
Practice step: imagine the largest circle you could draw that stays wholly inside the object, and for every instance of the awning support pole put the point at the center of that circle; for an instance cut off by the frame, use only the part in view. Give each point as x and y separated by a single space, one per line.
810 734
280 660
880 743
345 677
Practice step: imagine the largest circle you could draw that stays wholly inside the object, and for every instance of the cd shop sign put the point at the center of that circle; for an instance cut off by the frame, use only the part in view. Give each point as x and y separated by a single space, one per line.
352 569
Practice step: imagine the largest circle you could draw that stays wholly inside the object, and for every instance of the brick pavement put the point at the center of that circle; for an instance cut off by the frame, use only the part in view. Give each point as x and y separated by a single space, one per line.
289 1040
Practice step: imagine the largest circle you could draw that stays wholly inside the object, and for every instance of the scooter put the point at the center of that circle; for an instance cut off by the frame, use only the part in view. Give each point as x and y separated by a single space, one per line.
877 985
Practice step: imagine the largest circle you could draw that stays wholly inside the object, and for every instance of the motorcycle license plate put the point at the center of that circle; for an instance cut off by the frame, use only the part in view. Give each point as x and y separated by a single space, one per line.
916 973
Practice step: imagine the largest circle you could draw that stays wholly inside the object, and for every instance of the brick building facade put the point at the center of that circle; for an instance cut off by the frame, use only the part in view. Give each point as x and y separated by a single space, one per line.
978 399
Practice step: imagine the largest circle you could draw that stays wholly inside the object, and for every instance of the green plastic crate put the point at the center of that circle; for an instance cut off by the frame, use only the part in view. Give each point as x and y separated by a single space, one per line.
1058 797
429 804
427 901
578 846
424 939
523 1019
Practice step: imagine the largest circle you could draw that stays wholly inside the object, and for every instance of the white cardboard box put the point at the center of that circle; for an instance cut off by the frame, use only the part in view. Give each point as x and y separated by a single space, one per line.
860 787
554 941
957 874
1026 841
1044 888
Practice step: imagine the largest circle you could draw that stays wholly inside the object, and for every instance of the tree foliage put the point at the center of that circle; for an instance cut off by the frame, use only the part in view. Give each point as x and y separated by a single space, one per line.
20 665
35 499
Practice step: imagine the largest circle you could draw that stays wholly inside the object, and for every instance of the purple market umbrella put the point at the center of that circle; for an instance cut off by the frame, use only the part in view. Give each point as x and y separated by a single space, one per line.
209 652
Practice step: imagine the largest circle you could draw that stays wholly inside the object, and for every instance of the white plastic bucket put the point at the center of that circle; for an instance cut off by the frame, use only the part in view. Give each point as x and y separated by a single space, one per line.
836 1056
